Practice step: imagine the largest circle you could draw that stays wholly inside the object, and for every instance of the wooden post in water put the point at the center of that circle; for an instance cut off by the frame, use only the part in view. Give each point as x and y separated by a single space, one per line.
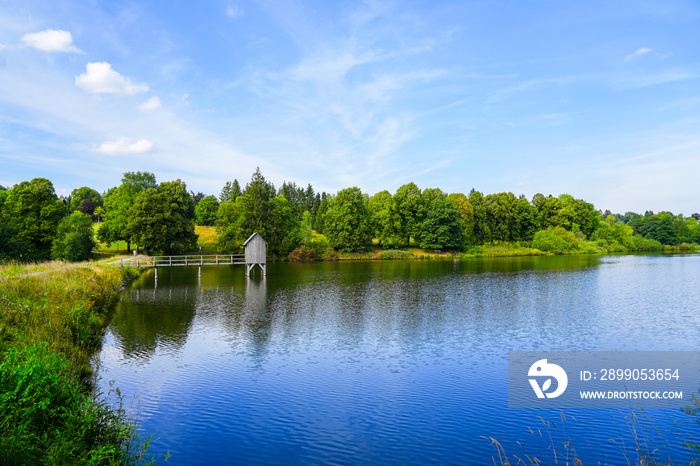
255 253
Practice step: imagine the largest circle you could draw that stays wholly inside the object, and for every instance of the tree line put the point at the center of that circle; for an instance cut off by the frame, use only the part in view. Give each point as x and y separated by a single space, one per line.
160 218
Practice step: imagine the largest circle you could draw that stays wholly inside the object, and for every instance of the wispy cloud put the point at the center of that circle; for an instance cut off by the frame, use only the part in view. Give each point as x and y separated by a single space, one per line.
51 40
125 147
669 76
233 10
638 53
151 104
100 78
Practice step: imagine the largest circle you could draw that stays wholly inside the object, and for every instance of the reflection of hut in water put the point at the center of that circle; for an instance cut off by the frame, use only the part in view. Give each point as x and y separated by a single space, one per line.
255 253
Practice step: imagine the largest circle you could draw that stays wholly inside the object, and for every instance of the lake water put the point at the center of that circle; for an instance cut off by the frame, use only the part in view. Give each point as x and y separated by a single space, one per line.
391 362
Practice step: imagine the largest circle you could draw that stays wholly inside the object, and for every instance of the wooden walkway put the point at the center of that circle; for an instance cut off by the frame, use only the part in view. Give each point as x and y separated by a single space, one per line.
180 261
255 254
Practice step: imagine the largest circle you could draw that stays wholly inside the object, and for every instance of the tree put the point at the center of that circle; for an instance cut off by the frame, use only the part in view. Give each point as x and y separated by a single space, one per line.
577 214
509 218
35 211
118 202
320 217
75 238
99 213
259 210
162 219
77 196
347 221
411 208
306 234
197 197
385 222
235 190
225 194
230 191
205 212
465 211
295 195
441 228
481 232
10 247
660 227
87 207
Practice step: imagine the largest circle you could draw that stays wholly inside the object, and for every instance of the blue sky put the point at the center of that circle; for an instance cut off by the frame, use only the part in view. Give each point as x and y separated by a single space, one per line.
597 99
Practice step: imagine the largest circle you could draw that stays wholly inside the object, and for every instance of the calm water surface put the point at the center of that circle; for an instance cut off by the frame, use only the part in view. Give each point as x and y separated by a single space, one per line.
391 362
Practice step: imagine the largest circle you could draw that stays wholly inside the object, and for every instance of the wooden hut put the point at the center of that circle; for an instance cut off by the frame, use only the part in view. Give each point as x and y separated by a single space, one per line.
255 253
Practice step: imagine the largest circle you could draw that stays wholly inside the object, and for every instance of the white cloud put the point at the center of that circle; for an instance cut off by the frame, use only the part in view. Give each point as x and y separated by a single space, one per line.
151 104
638 53
125 146
233 10
51 41
100 78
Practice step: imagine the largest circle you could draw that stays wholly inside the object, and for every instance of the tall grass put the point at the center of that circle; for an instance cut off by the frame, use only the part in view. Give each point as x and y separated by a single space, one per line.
51 323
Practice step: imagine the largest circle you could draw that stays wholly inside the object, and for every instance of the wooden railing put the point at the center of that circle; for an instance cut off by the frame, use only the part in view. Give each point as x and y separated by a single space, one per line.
179 261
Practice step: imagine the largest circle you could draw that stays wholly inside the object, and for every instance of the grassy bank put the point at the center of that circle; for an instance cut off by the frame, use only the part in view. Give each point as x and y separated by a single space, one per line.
52 320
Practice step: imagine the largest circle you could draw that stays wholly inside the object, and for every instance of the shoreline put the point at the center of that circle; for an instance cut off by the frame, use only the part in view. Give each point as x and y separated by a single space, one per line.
51 328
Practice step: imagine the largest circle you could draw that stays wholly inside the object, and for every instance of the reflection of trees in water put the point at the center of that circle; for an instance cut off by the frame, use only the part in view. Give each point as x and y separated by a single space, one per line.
408 304
147 318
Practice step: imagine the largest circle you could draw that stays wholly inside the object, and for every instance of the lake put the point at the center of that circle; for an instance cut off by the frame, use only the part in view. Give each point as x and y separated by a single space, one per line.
391 362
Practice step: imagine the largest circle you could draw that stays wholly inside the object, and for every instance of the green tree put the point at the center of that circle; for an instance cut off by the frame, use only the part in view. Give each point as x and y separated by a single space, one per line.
119 202
162 219
441 228
99 213
465 211
75 240
306 234
206 210
411 208
347 221
660 227
35 211
577 214
259 210
320 218
10 247
80 194
230 191
385 221
480 229
225 194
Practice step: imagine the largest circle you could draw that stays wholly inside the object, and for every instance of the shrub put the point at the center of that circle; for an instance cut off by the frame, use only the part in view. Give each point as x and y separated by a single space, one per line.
556 240
302 254
75 240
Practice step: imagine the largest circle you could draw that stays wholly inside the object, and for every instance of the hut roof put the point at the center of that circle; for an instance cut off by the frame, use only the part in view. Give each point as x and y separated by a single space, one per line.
253 236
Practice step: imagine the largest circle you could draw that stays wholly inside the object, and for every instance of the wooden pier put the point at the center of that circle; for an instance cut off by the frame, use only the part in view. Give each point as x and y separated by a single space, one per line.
180 261
255 254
